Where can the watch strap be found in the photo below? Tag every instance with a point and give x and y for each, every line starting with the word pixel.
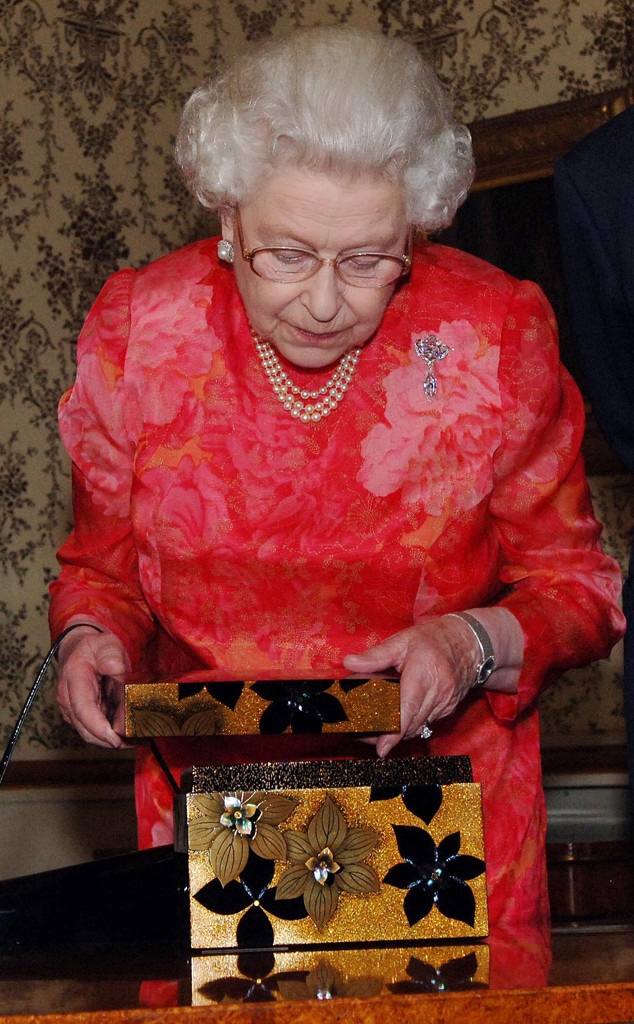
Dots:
pixel 487 655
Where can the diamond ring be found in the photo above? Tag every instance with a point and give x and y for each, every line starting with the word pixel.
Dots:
pixel 426 733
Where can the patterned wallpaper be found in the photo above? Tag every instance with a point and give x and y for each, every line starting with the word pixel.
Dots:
pixel 89 101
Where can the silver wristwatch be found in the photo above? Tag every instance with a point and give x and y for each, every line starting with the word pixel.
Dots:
pixel 487 659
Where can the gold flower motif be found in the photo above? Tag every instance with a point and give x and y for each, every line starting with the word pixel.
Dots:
pixel 229 825
pixel 149 722
pixel 326 860
pixel 323 865
pixel 325 982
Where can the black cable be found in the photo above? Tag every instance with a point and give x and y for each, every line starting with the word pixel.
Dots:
pixel 4 764
pixel 163 765
pixel 17 729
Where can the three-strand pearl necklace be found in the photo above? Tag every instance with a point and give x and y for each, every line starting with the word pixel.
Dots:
pixel 302 404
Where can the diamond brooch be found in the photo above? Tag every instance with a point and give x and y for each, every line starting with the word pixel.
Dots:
pixel 432 350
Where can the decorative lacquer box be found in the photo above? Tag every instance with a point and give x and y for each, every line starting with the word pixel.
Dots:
pixel 309 974
pixel 199 705
pixel 343 851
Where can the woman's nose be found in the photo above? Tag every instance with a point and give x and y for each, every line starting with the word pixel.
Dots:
pixel 322 294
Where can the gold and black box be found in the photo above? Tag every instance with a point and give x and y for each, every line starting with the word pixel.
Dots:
pixel 315 853
pixel 200 705
pixel 324 974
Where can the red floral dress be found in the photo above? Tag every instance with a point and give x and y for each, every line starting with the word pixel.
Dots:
pixel 212 529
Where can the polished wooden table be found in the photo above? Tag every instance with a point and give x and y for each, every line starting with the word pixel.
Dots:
pixel 97 945
pixel 591 982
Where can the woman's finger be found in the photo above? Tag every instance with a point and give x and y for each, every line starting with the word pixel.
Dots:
pixel 88 698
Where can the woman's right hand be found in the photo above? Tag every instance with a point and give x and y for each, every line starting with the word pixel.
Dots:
pixel 90 699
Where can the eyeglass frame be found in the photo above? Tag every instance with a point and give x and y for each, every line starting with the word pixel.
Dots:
pixel 324 261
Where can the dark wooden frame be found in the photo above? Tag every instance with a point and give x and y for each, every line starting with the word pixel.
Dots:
pixel 525 145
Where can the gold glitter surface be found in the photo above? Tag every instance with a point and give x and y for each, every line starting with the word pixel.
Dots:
pixel 389 771
pixel 337 973
pixel 153 709
pixel 367 917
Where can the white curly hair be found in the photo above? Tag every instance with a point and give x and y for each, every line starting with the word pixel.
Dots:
pixel 338 100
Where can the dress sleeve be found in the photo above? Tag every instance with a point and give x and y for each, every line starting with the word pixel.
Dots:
pixel 99 574
pixel 560 586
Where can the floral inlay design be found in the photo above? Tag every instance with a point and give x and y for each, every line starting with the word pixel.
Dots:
pixel 326 860
pixel 299 704
pixel 253 898
pixel 232 824
pixel 225 693
pixel 250 984
pixel 325 982
pixel 434 875
pixel 240 815
pixel 256 981
pixel 423 801
pixel 452 976
pixel 149 722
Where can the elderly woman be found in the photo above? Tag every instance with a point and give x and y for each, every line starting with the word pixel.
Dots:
pixel 310 447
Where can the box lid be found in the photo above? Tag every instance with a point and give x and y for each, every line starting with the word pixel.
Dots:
pixel 383 772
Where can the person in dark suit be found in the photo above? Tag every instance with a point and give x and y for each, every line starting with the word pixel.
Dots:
pixel 594 189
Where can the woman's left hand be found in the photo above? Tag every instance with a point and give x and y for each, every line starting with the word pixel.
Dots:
pixel 437 663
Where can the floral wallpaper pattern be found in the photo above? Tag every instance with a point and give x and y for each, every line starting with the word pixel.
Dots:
pixel 90 96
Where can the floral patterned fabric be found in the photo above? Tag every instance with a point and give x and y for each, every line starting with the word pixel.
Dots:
pixel 214 530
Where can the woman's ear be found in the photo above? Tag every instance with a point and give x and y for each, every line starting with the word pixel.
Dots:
pixel 228 223
pixel 225 245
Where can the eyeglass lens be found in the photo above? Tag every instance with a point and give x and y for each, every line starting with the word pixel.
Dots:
pixel 361 269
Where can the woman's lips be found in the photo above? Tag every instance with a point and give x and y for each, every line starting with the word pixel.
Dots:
pixel 318 335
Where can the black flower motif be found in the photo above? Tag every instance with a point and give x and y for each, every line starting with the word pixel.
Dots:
pixel 225 693
pixel 251 893
pixel 452 976
pixel 252 987
pixel 299 704
pixel 350 683
pixel 423 801
pixel 434 875
pixel 254 982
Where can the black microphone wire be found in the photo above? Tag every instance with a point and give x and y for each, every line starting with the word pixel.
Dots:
pixel 17 729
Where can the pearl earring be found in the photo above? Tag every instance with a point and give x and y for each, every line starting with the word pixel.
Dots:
pixel 225 251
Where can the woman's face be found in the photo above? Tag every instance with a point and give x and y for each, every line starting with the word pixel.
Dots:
pixel 314 322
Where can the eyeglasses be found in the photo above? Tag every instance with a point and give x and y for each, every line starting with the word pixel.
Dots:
pixel 288 265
